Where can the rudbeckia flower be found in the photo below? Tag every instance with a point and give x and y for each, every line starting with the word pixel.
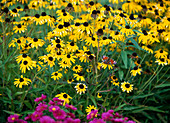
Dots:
pixel 35 42
pixel 160 54
pixel 126 86
pixel 77 68
pixel 22 81
pixel 27 64
pixel 49 58
pixel 80 88
pixel 135 71
pixel 79 76
pixel 99 95
pixel 90 108
pixel 65 97
pixel 56 75
pixel 161 61
pixel 14 13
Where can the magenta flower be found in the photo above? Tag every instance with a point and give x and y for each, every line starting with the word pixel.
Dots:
pixel 119 120
pixel 70 120
pixel 28 117
pixel 46 119
pixel 21 121
pixel 110 111
pixel 130 121
pixel 54 108
pixel 95 120
pixel 70 107
pixel 40 98
pixel 106 116
pixel 58 100
pixel 59 115
pixel 92 114
pixel 13 118
pixel 41 107
pixel 71 115
pixel 36 116
pixel 51 102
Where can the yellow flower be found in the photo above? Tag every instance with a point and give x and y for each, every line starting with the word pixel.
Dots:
pixel 162 61
pixel 79 76
pixel 135 71
pixel 99 95
pixel 19 28
pixel 56 75
pixel 80 88
pixel 90 108
pixel 22 81
pixel 27 64
pixel 126 86
pixel 77 68
pixel 65 97
pixel 160 54
pixel 70 81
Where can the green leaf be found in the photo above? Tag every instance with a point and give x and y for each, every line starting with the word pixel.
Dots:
pixel 143 96
pixel 8 93
pixel 28 104
pixel 135 43
pixel 154 109
pixel 93 100
pixel 80 112
pixel 162 85
pixel 28 112
pixel 129 108
pixel 119 108
pixel 124 58
pixel 9 112
pixel 121 74
pixel 18 93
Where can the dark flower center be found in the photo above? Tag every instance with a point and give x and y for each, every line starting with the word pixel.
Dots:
pixel 7 20
pixel 63 10
pixel 64 14
pixel 91 3
pixel 100 31
pixel 162 59
pixel 127 27
pixel 18 7
pixel 43 14
pixel 72 43
pixel 68 56
pixel 93 38
pixel 57 40
pixel 24 55
pixel 114 77
pixel 85 24
pixel 81 86
pixel 14 10
pixel 76 67
pixel 80 74
pixel 65 95
pixel 110 37
pixel 100 94
pixel 127 85
pixel 35 39
pixel 117 33
pixel 56 74
pixel 148 46
pixel 58 53
pixel 37 15
pixel 134 54
pixel 70 80
pixel 66 24
pixel 21 79
pixel 50 58
pixel 60 26
pixel 135 68
pixel 58 46
pixel 69 5
pixel 161 51
pixel 19 25
pixel 94 12
pixel 19 41
pixel 25 62
pixel 104 38
pixel 91 57
pixel 77 24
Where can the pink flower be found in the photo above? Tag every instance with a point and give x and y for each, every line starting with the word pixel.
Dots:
pixel 110 111
pixel 51 102
pixel 59 115
pixel 40 98
pixel 54 108
pixel 106 116
pixel 46 119
pixel 70 107
pixel 36 116
pixel 21 121
pixel 41 107
pixel 130 121
pixel 58 100
pixel 28 117
pixel 97 121
pixel 70 120
pixel 71 115
pixel 92 114
pixel 13 118
pixel 118 120
pixel 60 103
